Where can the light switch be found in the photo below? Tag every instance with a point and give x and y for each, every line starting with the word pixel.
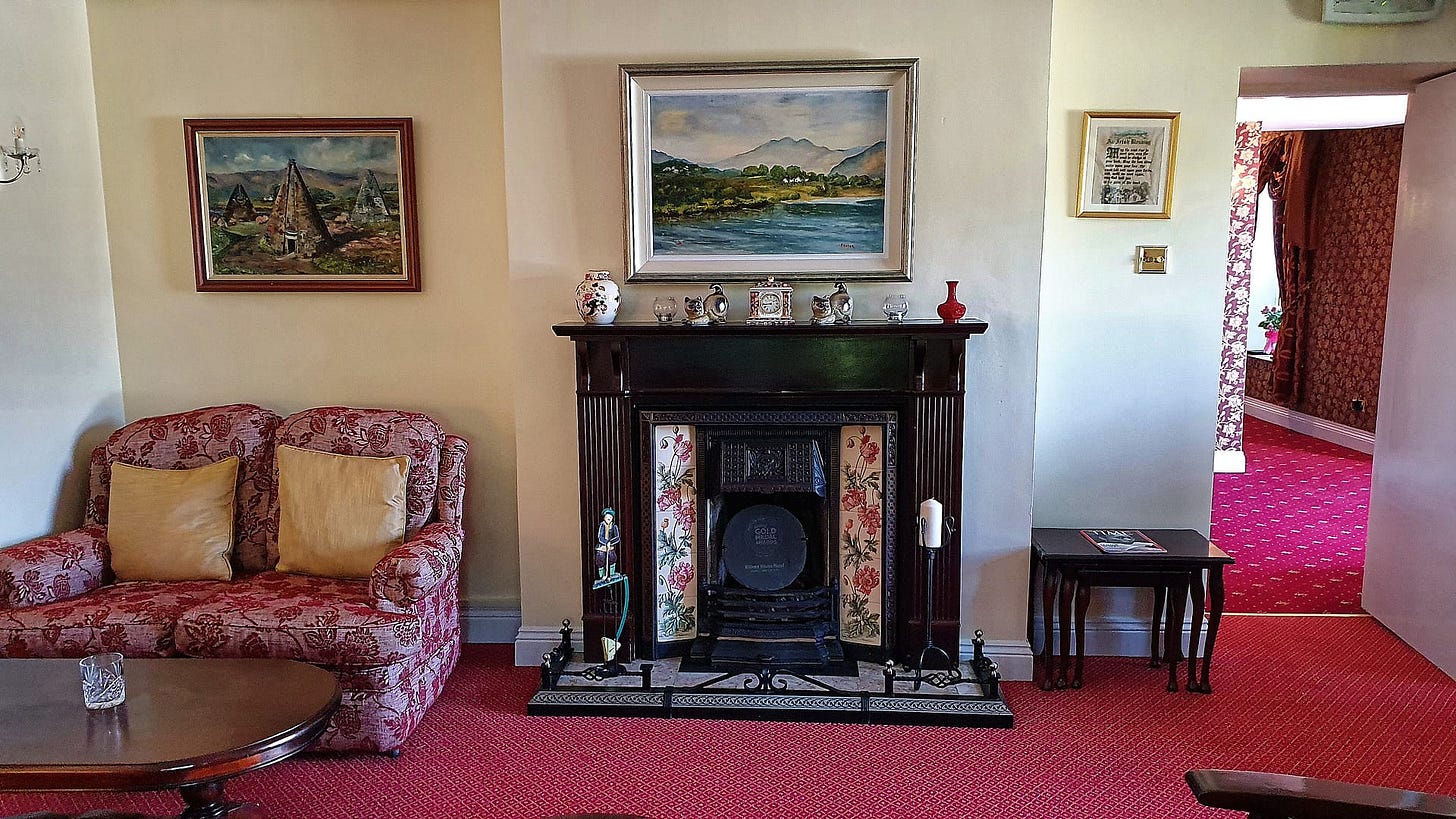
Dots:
pixel 1151 259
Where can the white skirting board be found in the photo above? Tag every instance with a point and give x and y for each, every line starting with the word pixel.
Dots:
pixel 486 624
pixel 534 641
pixel 1349 437
pixel 1013 657
pixel 1229 462
pixel 1121 636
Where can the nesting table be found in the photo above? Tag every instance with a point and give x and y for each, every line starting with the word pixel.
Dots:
pixel 1069 567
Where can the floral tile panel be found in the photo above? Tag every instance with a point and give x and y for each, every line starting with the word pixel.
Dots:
pixel 675 530
pixel 861 534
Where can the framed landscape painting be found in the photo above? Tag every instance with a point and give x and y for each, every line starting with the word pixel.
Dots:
pixel 1127 164
pixel 303 204
pixel 738 171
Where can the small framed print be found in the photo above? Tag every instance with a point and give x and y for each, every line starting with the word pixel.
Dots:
pixel 1127 164
pixel 303 204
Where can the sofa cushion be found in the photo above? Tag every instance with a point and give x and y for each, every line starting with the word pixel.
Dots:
pixel 135 619
pixel 377 432
pixel 197 438
pixel 338 515
pixel 172 524
pixel 298 617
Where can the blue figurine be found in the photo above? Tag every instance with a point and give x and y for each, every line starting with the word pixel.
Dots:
pixel 609 541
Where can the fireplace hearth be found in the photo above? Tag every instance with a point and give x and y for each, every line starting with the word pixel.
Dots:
pixel 766 481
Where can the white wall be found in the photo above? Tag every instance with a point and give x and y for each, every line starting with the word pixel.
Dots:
pixel 978 211
pixel 1128 365
pixel 60 385
pixel 1263 280
pixel 1409 581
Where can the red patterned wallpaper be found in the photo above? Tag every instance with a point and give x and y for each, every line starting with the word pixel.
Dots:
pixel 1359 172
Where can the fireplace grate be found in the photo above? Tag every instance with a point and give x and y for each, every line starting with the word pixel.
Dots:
pixel 794 629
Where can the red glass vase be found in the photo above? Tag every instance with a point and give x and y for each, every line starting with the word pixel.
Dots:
pixel 950 310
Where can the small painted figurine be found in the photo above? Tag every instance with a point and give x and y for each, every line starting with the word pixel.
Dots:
pixel 821 314
pixel 841 304
pixel 715 305
pixel 609 540
pixel 693 314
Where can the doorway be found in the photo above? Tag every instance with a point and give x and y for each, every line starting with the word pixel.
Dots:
pixel 1311 232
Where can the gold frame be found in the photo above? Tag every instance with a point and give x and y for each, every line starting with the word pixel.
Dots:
pixel 1167 212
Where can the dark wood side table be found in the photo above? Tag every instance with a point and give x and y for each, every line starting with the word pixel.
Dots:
pixel 1071 566
pixel 186 724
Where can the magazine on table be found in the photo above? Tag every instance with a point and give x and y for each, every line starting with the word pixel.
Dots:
pixel 1121 541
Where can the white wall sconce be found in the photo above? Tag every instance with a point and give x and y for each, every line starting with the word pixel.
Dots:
pixel 17 159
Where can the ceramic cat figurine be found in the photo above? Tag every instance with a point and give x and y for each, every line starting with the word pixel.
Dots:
pixel 821 314
pixel 715 305
pixel 693 314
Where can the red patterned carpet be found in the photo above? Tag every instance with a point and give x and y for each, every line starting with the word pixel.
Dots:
pixel 1287 699
pixel 1295 521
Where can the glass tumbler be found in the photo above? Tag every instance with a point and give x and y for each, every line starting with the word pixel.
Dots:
pixel 664 307
pixel 103 684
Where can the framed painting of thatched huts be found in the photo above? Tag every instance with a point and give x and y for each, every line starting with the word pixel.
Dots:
pixel 303 204
pixel 737 171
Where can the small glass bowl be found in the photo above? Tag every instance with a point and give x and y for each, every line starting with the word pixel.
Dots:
pixel 896 306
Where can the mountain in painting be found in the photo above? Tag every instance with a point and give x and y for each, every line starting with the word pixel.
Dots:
pixel 787 151
pixel 260 184
pixel 868 162
pixel 658 157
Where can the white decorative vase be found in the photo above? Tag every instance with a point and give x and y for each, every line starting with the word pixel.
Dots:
pixel 598 298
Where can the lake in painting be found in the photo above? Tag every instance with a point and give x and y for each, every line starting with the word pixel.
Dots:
pixel 768 172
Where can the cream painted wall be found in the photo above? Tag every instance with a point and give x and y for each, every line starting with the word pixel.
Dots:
pixel 445 351
pixel 978 212
pixel 1128 364
pixel 60 383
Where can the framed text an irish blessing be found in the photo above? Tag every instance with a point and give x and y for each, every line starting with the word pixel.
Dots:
pixel 1127 164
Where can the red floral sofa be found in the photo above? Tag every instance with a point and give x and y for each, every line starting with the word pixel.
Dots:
pixel 391 639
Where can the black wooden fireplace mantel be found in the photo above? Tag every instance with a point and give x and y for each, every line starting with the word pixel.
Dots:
pixel 915 369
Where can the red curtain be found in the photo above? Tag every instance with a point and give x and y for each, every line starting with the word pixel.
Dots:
pixel 1287 169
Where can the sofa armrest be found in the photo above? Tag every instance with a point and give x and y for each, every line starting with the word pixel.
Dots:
pixel 53 568
pixel 416 569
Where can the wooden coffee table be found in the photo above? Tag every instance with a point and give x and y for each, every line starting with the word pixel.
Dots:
pixel 186 724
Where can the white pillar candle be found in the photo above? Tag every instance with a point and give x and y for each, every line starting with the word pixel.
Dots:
pixel 932 516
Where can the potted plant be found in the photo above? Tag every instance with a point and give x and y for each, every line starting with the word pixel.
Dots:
pixel 1273 317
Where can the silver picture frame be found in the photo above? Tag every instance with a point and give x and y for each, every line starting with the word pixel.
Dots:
pixel 845 215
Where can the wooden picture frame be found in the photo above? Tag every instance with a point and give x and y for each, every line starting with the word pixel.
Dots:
pixel 740 171
pixel 1128 158
pixel 303 205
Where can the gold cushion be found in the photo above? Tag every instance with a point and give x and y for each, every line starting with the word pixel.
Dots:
pixel 172 524
pixel 338 514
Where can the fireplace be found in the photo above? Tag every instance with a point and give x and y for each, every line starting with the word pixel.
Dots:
pixel 765 482
pixel 789 523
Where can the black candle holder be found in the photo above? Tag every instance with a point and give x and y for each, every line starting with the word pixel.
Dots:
pixel 931 649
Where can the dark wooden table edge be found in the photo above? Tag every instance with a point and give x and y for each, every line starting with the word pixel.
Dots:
pixel 173 774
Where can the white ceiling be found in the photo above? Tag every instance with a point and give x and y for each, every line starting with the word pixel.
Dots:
pixel 1321 113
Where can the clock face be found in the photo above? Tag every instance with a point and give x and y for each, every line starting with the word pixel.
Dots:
pixel 769 304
